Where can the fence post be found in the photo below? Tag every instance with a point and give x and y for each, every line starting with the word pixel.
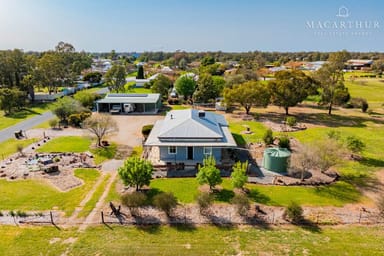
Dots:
pixel 102 217
pixel 51 215
pixel 359 215
pixel 273 218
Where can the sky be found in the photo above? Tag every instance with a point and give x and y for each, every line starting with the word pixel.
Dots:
pixel 198 25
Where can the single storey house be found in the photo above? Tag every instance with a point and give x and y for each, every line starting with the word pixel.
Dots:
pixel 188 136
pixel 124 103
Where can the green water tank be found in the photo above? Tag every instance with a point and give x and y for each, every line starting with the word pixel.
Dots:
pixel 276 159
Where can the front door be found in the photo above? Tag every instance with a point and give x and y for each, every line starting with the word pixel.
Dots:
pixel 189 153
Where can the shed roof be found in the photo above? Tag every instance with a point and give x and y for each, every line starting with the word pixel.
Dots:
pixel 130 98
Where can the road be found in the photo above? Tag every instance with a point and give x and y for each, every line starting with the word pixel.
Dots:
pixel 25 125
pixel 29 123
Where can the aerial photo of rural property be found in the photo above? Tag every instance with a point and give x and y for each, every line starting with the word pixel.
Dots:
pixel 216 127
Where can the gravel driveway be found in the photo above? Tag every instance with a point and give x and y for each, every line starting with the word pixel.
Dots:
pixel 130 128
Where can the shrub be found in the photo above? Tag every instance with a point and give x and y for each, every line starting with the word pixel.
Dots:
pixel 294 212
pixel 268 137
pixel 204 200
pixel 21 214
pixel 242 204
pixel 53 122
pixel 364 106
pixel 133 201
pixel 75 120
pixel 19 148
pixel 284 142
pixel 354 144
pixel 334 135
pixel 165 202
pixel 12 213
pixel 290 121
pixel 359 103
pixel 146 130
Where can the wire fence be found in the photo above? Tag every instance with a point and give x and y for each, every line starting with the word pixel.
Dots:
pixel 187 215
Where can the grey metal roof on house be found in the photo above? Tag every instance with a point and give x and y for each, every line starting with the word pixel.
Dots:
pixel 186 127
pixel 130 98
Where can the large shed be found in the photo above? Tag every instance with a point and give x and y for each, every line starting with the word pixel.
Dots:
pixel 124 103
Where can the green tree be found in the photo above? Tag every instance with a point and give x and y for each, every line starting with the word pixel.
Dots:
pixel 290 88
pixel 378 66
pixel 239 174
pixel 208 173
pixel 140 72
pixel 51 71
pixel 185 86
pixel 65 107
pixel 136 172
pixel 161 84
pixel 219 83
pixel 115 78
pixel 11 99
pixel 93 77
pixel 86 98
pixel 100 125
pixel 248 94
pixel 331 79
pixel 206 89
pixel 207 60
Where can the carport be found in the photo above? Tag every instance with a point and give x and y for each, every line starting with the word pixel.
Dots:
pixel 142 103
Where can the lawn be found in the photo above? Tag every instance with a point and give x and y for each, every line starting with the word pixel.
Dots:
pixel 371 89
pixel 238 126
pixel 38 195
pixel 88 207
pixel 180 240
pixel 66 144
pixel 338 194
pixel 104 153
pixel 37 109
pixel 9 146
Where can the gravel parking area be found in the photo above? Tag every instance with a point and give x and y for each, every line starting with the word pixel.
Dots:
pixel 130 128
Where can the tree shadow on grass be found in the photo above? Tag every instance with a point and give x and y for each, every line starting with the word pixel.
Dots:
pixel 258 197
pixel 362 180
pixel 24 113
pixel 310 226
pixel 149 228
pixel 372 162
pixel 341 191
pixel 224 195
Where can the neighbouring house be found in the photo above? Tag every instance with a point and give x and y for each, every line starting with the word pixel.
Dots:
pixel 124 103
pixel 359 64
pixel 186 137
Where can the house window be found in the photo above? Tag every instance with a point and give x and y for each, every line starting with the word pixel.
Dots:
pixel 207 151
pixel 172 150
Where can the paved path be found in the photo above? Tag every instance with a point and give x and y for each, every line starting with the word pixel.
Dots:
pixel 25 125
